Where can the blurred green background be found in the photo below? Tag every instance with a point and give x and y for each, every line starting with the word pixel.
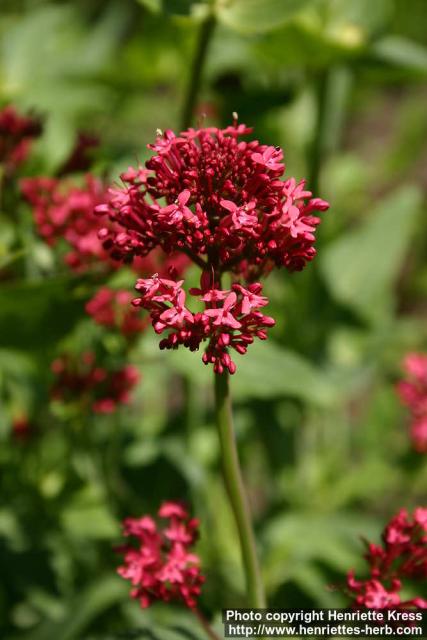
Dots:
pixel 342 86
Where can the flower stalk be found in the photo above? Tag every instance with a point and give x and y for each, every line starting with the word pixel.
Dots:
pixel 317 147
pixel 236 491
pixel 205 624
pixel 204 38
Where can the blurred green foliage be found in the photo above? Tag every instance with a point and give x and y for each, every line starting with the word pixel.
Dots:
pixel 341 85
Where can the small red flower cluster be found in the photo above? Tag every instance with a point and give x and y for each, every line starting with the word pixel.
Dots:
pixel 224 202
pixel 413 393
pixel 83 380
pixel 81 156
pixel 22 429
pixel 112 308
pixel 16 135
pixel 64 211
pixel 402 556
pixel 161 566
pixel 231 318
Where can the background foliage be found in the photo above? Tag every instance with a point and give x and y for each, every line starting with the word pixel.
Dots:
pixel 341 85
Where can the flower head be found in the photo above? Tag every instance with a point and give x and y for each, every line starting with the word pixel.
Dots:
pixel 413 393
pixel 402 556
pixel 217 198
pixel 160 564
pixel 83 380
pixel 222 202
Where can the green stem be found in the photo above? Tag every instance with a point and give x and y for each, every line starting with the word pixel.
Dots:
pixel 317 147
pixel 205 624
pixel 193 88
pixel 332 87
pixel 236 490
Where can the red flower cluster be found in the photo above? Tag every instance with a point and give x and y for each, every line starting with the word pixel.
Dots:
pixel 216 198
pixel 220 201
pixel 112 308
pixel 160 566
pixel 64 211
pixel 85 381
pixel 413 393
pixel 16 135
pixel 231 318
pixel 402 556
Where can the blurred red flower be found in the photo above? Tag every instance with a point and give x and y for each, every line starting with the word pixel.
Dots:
pixel 83 380
pixel 413 393
pixel 17 133
pixel 63 211
pixel 112 308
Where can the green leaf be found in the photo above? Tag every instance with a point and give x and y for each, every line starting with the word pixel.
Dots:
pixel 88 516
pixel 36 314
pixel 54 74
pixel 402 53
pixel 173 7
pixel 369 16
pixel 324 32
pixel 152 5
pixel 361 267
pixel 266 371
pixel 304 42
pixel 258 16
pixel 90 522
pixel 179 7
pixel 10 528
pixel 162 623
pixel 106 591
pixel 296 541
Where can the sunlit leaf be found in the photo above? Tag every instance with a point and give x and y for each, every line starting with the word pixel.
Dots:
pixel 361 267
pixel 152 5
pixel 268 370
pixel 401 53
pixel 366 15
pixel 257 16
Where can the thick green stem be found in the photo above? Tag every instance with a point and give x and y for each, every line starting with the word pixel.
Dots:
pixel 194 81
pixel 236 490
